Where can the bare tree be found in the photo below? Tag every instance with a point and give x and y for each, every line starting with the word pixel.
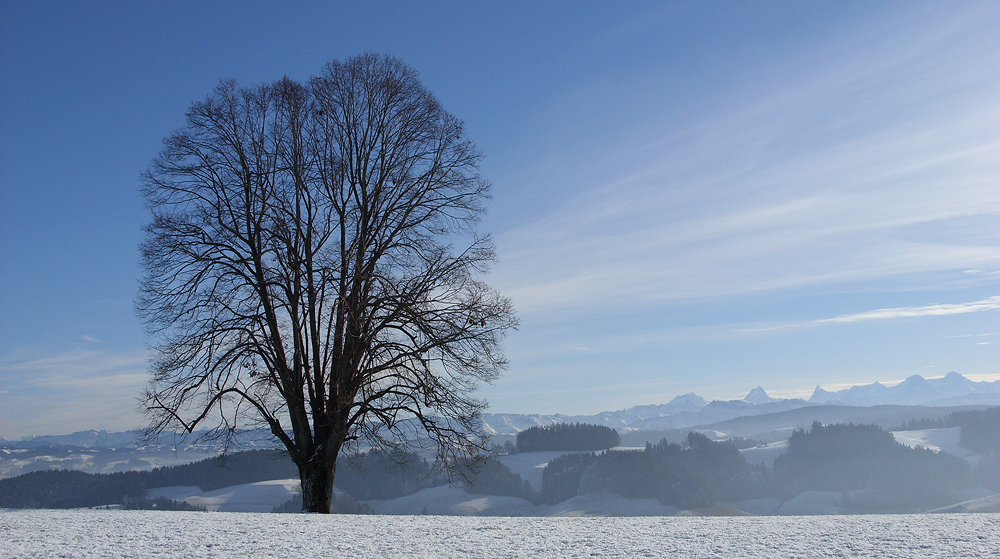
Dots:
pixel 301 272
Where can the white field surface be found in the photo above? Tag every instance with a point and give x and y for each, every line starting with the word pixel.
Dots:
pixel 87 534
pixel 938 440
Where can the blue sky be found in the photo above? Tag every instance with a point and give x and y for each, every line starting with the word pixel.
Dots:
pixel 688 196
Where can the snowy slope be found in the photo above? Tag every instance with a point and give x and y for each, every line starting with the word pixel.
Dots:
pixel 983 504
pixel 262 496
pixel 530 465
pixel 17 461
pixel 938 440
pixel 765 454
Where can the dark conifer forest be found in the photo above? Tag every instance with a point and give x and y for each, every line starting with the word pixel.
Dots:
pixel 568 437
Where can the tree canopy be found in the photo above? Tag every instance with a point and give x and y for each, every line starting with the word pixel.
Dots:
pixel 312 265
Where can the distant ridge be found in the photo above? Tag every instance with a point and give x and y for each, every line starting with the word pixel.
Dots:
pixel 683 411
pixel 951 389
pixel 94 439
pixel 689 410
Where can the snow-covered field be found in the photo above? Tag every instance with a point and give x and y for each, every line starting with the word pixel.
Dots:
pixel 98 533
pixel 938 440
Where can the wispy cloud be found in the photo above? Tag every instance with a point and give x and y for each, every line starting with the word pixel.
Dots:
pixel 988 304
pixel 76 389
pixel 973 335
pixel 879 166
pixel 983 378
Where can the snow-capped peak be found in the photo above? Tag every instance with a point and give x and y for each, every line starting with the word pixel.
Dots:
pixel 758 396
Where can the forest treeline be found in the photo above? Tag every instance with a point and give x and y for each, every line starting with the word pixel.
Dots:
pixel 873 472
pixel 694 474
pixel 865 463
pixel 568 437
pixel 363 476
pixel 72 489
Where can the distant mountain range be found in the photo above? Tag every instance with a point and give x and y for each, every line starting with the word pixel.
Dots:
pixel 689 410
pixel 167 442
pixel 951 389
pixel 684 411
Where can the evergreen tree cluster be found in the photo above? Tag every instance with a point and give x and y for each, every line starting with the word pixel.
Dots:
pixel 561 477
pixel 567 437
pixel 696 474
pixel 59 489
pixel 363 476
pixel 743 442
pixel 370 475
pixel 223 471
pixel 888 476
pixel 864 462
pixel 981 432
pixel 159 503
pixel 866 457
pixel 494 478
pixel 72 489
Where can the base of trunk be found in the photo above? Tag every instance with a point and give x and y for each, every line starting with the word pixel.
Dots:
pixel 317 487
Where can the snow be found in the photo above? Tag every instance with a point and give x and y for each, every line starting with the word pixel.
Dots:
pixel 262 496
pixel 758 396
pixel 765 454
pixel 812 502
pixel 990 503
pixel 938 440
pixel 88 534
pixel 17 461
pixel 608 505
pixel 766 506
pixel 175 493
pixel 451 500
pixel 530 465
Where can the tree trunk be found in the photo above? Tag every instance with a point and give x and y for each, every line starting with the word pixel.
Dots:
pixel 317 484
